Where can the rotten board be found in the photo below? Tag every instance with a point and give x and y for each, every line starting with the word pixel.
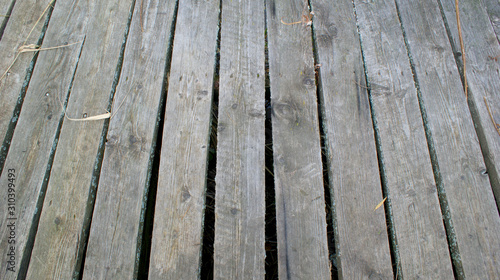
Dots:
pixel 471 204
pixel 239 251
pixel 124 180
pixel 180 198
pixel 483 70
pixel 418 228
pixel 61 236
pixel 298 170
pixel 362 244
pixel 18 32
pixel 33 141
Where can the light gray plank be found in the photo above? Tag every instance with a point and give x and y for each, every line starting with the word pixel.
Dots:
pixel 177 232
pixel 470 199
pixel 20 23
pixel 5 6
pixel 361 236
pixel 481 46
pixel 300 201
pixel 493 9
pixel 56 251
pixel 111 251
pixel 239 251
pixel 33 139
pixel 418 226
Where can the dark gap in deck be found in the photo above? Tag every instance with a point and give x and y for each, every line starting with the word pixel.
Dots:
pixel 271 240
pixel 20 100
pixel 481 135
pixel 146 220
pixel 6 18
pixel 443 201
pixel 94 183
pixel 30 240
pixel 331 225
pixel 393 244
pixel 208 228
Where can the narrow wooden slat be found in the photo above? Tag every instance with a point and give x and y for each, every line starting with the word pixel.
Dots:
pixel 20 23
pixel 5 6
pixel 32 142
pixel 493 9
pixel 58 241
pixel 300 201
pixel 362 241
pixel 176 244
pixel 482 52
pixel 418 226
pixel 111 251
pixel 470 199
pixel 239 251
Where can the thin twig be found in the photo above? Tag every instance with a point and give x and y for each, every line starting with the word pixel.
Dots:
pixel 495 124
pixel 462 47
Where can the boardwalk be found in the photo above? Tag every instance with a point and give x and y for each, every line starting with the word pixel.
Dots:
pixel 232 139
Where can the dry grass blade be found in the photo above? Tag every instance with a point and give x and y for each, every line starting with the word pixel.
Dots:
pixel 92 118
pixel 380 204
pixel 462 47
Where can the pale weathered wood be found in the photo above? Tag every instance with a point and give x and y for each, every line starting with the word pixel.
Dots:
pixel 33 139
pixel 56 251
pixel 5 6
pixel 111 251
pixel 300 200
pixel 21 21
pixel 239 251
pixel 482 65
pixel 177 231
pixel 493 9
pixel 361 233
pixel 412 194
pixel 471 204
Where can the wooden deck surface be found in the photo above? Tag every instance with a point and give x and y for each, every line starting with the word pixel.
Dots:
pixel 233 139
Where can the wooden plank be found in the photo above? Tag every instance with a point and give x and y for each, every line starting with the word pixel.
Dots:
pixel 20 23
pixel 177 233
pixel 239 251
pixel 300 201
pixel 361 236
pixel 5 9
pixel 493 9
pixel 113 241
pixel 412 194
pixel 56 252
pixel 481 49
pixel 470 199
pixel 33 140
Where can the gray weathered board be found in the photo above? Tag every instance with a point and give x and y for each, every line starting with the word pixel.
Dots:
pixel 239 251
pixel 298 170
pixel 362 245
pixel 418 230
pixel 481 52
pixel 180 200
pixel 5 6
pixel 475 224
pixel 493 9
pixel 33 140
pixel 115 235
pixel 58 247
pixel 21 23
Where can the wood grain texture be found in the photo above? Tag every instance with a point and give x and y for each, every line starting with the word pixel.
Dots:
pixel 177 233
pixel 412 193
pixel 493 10
pixel 111 251
pixel 362 244
pixel 483 71
pixel 20 23
pixel 56 249
pixel 33 140
pixel 467 189
pixel 239 251
pixel 300 201
pixel 5 6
